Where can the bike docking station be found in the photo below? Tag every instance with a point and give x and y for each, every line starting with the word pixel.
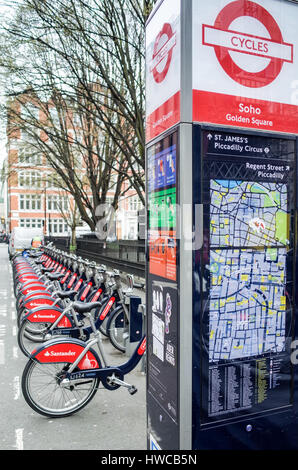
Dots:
pixel 221 243
pixel 134 331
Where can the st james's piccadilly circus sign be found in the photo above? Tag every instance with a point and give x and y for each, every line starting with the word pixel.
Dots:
pixel 245 64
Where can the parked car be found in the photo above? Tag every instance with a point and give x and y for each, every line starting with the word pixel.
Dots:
pixel 4 237
pixel 21 238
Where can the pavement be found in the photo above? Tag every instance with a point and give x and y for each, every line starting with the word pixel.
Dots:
pixel 111 421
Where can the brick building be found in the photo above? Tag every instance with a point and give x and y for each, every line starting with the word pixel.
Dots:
pixel 32 198
pixel 32 201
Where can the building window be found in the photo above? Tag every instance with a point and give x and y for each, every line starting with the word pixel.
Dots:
pixel 134 204
pixel 57 226
pixel 54 116
pixel 29 112
pixel 30 202
pixel 30 179
pixel 52 180
pixel 57 203
pixel 28 156
pixel 31 223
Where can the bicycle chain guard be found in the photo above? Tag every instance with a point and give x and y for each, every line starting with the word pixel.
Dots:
pixel 106 375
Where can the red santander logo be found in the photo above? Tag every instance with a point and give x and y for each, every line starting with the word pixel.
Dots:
pixel 225 40
pixel 162 53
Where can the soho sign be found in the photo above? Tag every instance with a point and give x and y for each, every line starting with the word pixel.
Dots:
pixel 224 40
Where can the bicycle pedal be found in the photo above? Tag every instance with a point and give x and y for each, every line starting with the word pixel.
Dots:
pixel 132 390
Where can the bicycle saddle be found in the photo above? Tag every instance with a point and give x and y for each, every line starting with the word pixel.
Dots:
pixel 46 270
pixel 82 307
pixel 55 277
pixel 66 294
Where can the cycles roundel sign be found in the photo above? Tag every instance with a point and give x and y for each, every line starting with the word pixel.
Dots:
pixel 162 53
pixel 226 41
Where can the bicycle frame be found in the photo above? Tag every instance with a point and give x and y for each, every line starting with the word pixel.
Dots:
pixel 54 315
pixel 62 324
pixel 85 362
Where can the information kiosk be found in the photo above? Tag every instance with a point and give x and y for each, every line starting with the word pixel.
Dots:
pixel 221 160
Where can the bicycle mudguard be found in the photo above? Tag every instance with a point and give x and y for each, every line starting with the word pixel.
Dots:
pixel 22 299
pixel 36 295
pixel 28 278
pixel 27 281
pixel 66 350
pixel 32 288
pixel 38 301
pixel 24 269
pixel 49 315
pixel 25 274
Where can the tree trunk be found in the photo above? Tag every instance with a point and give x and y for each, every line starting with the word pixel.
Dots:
pixel 73 243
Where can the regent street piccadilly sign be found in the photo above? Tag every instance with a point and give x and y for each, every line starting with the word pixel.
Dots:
pixel 245 63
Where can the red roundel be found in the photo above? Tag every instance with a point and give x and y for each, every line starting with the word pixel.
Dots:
pixel 161 53
pixel 223 21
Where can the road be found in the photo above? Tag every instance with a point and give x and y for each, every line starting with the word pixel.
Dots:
pixel 111 421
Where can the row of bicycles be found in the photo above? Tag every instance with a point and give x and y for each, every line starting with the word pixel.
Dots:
pixel 65 306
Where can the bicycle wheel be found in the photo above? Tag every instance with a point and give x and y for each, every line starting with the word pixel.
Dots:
pixel 32 328
pixel 44 393
pixel 29 340
pixel 21 315
pixel 117 325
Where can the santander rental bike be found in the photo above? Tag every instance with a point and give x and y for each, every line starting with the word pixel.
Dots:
pixel 62 376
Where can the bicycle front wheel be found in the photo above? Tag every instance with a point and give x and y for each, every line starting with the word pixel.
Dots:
pixel 117 326
pixel 44 392
pixel 29 340
pixel 31 335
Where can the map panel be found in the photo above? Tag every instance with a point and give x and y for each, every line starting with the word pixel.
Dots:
pixel 247 214
pixel 247 305
pixel 247 308
pixel 247 267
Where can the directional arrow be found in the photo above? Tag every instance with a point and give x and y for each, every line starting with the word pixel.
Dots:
pixel 209 136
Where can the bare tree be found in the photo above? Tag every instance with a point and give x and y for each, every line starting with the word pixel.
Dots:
pixel 70 215
pixel 80 157
pixel 96 42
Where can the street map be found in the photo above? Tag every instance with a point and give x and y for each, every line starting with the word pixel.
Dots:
pixel 245 214
pixel 249 239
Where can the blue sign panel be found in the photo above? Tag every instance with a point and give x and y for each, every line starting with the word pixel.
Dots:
pixel 161 168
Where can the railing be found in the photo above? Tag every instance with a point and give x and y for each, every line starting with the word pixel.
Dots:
pixel 62 243
pixel 125 255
